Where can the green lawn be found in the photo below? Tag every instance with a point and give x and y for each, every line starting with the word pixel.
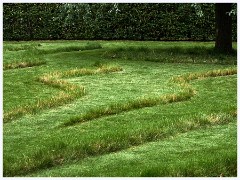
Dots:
pixel 119 108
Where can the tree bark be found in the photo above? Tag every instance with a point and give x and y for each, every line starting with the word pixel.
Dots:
pixel 223 41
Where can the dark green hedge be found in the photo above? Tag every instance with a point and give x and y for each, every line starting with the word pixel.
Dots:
pixel 141 21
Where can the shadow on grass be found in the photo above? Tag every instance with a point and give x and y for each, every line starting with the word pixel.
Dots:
pixel 35 47
pixel 174 54
pixel 87 46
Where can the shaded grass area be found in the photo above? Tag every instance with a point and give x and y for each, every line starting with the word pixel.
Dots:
pixel 20 46
pixel 71 48
pixel 190 154
pixel 38 47
pixel 173 54
pixel 34 143
pixel 28 55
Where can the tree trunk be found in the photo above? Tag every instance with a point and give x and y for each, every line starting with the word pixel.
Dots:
pixel 223 41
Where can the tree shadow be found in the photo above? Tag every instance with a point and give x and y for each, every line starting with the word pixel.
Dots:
pixel 174 54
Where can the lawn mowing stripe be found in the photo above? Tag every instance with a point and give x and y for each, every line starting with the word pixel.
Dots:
pixel 185 94
pixel 69 91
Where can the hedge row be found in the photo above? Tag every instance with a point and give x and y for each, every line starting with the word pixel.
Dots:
pixel 110 21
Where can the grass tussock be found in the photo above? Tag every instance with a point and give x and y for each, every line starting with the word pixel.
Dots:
pixel 58 83
pixel 81 72
pixel 22 64
pixel 214 73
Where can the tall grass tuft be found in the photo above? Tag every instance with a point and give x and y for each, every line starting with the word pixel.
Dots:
pixel 214 73
pixel 22 64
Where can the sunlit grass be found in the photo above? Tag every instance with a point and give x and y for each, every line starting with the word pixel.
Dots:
pixel 72 91
pixel 58 153
pixel 213 73
pixel 191 154
pixel 144 107
pixel 185 94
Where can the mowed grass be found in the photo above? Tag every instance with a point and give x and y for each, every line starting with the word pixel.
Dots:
pixel 194 154
pixel 36 144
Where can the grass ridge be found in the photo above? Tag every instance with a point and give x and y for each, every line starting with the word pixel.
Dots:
pixel 69 91
pixel 213 73
pixel 44 160
pixel 191 54
pixel 22 64
pixel 185 94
